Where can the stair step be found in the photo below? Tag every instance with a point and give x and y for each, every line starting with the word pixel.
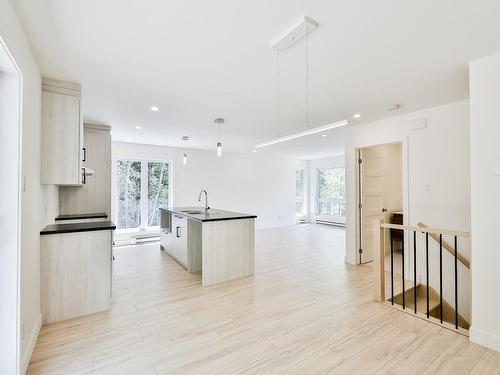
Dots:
pixel 434 303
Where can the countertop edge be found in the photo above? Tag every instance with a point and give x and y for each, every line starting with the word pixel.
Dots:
pixel 191 217
pixel 77 227
pixel 98 215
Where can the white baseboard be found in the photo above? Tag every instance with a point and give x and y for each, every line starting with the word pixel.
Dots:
pixel 31 345
pixel 485 339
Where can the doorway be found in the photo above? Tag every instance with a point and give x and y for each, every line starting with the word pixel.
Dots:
pixel 380 191
pixel 10 130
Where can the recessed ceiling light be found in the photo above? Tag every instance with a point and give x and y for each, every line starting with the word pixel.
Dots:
pixel 155 108
pixel 254 150
pixel 138 127
pixel 356 115
pixel 323 135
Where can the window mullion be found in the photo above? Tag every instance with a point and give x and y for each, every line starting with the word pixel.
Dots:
pixel 144 194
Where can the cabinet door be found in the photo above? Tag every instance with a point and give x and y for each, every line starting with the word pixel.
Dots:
pixel 62 135
pixel 179 238
pixel 182 247
pixel 95 195
pixel 166 241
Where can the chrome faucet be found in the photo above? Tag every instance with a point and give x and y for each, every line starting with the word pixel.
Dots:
pixel 206 199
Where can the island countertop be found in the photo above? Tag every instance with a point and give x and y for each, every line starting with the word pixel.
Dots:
pixel 199 214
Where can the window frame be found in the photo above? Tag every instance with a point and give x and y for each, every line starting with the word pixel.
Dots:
pixel 318 199
pixel 144 204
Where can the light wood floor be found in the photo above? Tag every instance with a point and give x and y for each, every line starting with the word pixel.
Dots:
pixel 304 312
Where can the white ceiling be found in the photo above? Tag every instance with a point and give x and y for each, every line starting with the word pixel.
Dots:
pixel 197 60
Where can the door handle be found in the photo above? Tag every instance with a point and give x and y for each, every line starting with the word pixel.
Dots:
pixel 84 177
pixel 177 232
pixel 384 209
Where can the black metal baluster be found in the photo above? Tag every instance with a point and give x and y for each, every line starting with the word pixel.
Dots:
pixel 415 270
pixel 392 270
pixel 441 277
pixel 456 284
pixel 403 266
pixel 427 269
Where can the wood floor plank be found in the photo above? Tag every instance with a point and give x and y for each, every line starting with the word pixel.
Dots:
pixel 303 312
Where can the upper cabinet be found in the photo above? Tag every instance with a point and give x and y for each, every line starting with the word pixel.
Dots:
pixel 62 133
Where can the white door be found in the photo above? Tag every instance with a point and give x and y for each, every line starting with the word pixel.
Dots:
pixel 372 186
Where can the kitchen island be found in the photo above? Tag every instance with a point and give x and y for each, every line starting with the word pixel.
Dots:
pixel 220 244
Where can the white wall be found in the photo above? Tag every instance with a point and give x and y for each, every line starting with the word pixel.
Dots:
pixel 39 204
pixel 436 175
pixel 253 183
pixel 311 191
pixel 485 199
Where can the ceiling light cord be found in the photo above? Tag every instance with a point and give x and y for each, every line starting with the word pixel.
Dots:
pixel 278 91
pixel 218 131
pixel 307 77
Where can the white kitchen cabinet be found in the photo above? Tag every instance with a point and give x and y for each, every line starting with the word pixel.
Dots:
pixel 179 239
pixel 76 273
pixel 95 195
pixel 166 241
pixel 62 133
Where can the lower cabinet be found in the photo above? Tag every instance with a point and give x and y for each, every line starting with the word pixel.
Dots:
pixel 179 239
pixel 75 274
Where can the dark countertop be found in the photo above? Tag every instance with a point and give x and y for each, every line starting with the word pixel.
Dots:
pixel 211 215
pixel 99 215
pixel 78 227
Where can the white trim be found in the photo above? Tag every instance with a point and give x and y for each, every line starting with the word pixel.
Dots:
pixel 31 345
pixel 17 323
pixel 484 338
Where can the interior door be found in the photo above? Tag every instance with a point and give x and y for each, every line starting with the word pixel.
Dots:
pixel 371 186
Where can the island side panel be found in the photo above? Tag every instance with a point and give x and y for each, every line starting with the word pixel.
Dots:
pixel 75 274
pixel 194 246
pixel 228 250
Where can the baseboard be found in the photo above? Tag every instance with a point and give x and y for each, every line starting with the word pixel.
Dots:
pixel 31 345
pixel 485 339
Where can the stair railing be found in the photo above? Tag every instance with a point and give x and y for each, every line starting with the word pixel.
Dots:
pixel 379 265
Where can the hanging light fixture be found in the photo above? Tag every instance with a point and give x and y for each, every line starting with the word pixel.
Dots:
pixel 218 121
pixel 184 159
pixel 300 31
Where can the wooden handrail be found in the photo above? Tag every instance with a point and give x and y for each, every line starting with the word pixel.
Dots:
pixel 447 246
pixel 444 232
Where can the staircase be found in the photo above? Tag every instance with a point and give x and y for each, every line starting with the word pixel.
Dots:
pixel 434 305
pixel 406 277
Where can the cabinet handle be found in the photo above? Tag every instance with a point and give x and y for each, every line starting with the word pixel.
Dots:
pixel 84 177
pixel 177 232
pixel 84 153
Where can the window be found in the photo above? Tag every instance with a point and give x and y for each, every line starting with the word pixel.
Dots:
pixel 299 191
pixel 331 192
pixel 142 186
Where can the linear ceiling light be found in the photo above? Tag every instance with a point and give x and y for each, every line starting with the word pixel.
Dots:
pixel 304 133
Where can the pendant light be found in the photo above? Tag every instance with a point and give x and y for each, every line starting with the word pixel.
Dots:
pixel 218 121
pixel 184 157
pixel 302 30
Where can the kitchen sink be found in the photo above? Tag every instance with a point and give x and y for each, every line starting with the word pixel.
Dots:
pixel 193 212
